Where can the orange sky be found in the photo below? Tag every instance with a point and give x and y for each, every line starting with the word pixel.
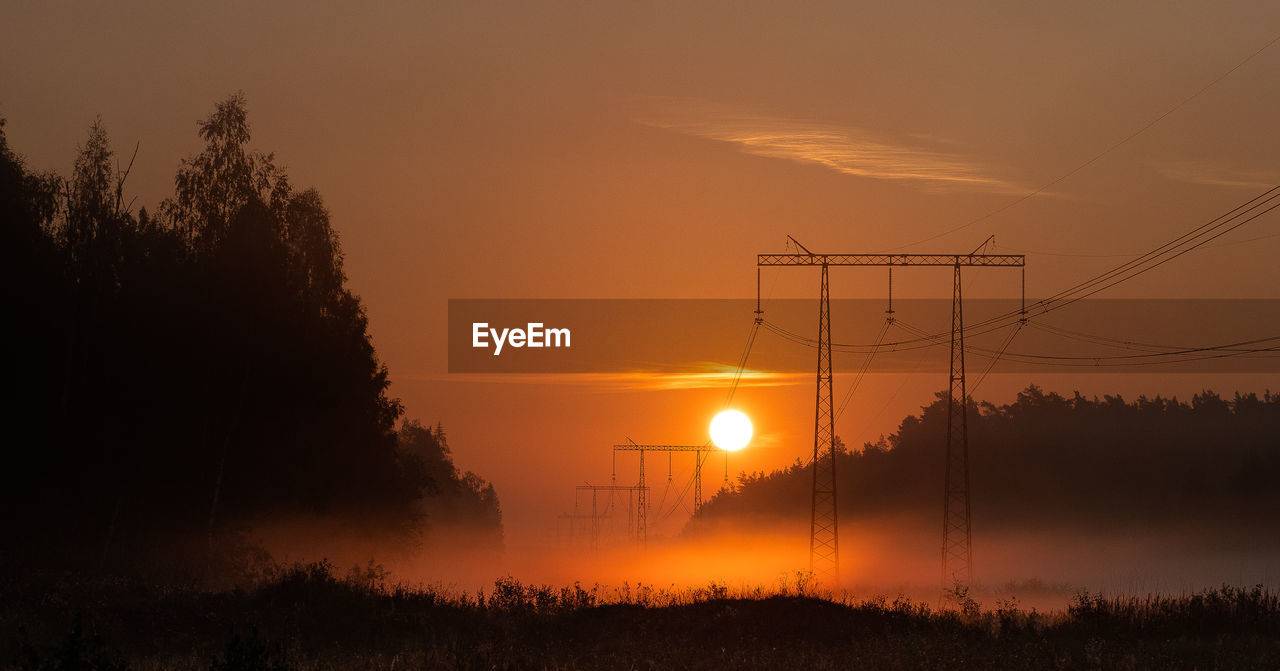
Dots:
pixel 652 149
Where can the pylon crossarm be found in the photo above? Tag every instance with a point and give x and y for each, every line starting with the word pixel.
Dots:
pixel 1004 260
pixel 632 447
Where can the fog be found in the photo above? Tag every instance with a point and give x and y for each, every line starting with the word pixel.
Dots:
pixel 888 556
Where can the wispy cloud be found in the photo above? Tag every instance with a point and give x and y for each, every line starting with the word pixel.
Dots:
pixel 704 376
pixel 712 376
pixel 1209 174
pixel 845 149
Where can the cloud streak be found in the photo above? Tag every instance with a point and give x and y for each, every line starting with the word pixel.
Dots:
pixel 707 376
pixel 844 149
pixel 1207 174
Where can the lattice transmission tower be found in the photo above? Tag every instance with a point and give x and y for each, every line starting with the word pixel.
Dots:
pixel 824 535
pixel 642 504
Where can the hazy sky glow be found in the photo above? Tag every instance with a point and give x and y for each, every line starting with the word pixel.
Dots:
pixel 619 149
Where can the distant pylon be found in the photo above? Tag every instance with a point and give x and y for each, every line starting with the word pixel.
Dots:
pixel 642 512
pixel 957 552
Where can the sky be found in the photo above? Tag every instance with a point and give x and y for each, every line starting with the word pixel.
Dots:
pixel 651 150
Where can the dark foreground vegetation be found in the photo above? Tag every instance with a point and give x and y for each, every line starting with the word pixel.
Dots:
pixel 308 617
pixel 179 374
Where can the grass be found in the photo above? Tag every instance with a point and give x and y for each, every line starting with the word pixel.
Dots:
pixel 310 617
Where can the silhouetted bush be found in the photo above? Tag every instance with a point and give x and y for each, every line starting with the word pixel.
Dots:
pixel 309 618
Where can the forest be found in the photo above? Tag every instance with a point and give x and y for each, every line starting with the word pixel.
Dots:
pixel 182 373
pixel 1053 462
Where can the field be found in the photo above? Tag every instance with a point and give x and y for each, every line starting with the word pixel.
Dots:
pixel 314 617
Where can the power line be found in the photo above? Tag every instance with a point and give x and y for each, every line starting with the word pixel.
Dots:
pixel 1083 255
pixel 742 361
pixel 1194 239
pixel 1169 353
pixel 996 358
pixel 866 364
pixel 1117 343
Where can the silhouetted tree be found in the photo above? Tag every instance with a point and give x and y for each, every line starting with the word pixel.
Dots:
pixel 180 377
pixel 461 506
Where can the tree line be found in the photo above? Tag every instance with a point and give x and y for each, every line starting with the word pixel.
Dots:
pixel 1063 462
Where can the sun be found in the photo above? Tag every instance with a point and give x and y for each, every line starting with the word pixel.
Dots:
pixel 731 430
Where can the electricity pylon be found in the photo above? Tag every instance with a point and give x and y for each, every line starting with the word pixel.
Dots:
pixel 573 518
pixel 824 534
pixel 957 530
pixel 632 491
pixel 642 504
